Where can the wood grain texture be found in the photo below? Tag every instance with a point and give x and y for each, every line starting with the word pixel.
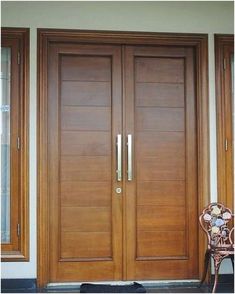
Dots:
pixel 85 245
pixel 154 218
pixel 78 93
pixel 85 219
pixel 86 118
pixel 159 94
pixel 18 40
pixel 48 37
pixel 87 193
pixel 86 68
pixel 147 240
pixel 161 70
pixel 81 152
pixel 85 143
pixel 160 119
pixel 161 193
pixel 165 153
pixel 85 168
pixel 224 49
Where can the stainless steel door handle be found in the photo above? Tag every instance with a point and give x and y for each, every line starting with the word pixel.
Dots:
pixel 119 157
pixel 129 157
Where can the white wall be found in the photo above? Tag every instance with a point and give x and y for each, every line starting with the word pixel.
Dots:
pixel 182 17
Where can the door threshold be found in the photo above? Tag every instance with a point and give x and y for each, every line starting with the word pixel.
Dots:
pixel 149 283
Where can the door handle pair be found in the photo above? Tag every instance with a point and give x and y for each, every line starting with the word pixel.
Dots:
pixel 129 158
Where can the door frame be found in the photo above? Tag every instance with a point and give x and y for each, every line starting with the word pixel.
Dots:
pixel 47 36
pixel 224 183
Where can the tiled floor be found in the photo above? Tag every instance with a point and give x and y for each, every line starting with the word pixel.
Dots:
pixel 225 288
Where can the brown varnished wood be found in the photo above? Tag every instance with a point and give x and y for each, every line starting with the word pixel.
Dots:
pixel 224 48
pixel 87 245
pixel 158 71
pixel 80 123
pixel 147 248
pixel 159 158
pixel 91 193
pixel 161 192
pixel 85 219
pixel 18 40
pixel 199 43
pixel 160 94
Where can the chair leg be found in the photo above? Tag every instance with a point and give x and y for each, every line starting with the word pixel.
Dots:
pixel 206 263
pixel 217 261
pixel 232 260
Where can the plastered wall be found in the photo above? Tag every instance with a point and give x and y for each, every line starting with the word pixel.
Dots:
pixel 153 16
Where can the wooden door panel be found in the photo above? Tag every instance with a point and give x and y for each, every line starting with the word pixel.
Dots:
pixel 84 119
pixel 86 68
pixel 87 248
pixel 157 218
pixel 159 70
pixel 159 119
pixel 86 193
pixel 161 192
pixel 90 93
pixel 85 168
pixel 159 94
pixel 82 143
pixel 146 244
pixel 162 198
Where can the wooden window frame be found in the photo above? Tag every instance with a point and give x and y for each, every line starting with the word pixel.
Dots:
pixel 19 38
pixel 46 37
pixel 224 46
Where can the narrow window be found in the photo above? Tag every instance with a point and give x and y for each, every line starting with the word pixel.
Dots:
pixel 224 54
pixel 14 144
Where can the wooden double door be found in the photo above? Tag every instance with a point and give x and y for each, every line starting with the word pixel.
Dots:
pixel 122 163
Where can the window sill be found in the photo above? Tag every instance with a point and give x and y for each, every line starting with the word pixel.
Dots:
pixel 13 256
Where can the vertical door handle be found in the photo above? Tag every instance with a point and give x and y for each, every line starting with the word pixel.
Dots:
pixel 119 157
pixel 129 157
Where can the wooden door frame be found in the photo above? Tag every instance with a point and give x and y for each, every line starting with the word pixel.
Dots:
pixel 47 36
pixel 222 42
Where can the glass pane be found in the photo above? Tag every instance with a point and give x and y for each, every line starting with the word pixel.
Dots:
pixel 5 143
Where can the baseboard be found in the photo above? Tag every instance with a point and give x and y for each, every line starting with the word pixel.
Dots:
pixel 17 284
pixel 224 278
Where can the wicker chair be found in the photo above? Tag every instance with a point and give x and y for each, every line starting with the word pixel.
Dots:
pixel 216 221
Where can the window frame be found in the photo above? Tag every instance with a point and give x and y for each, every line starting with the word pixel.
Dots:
pixel 224 47
pixel 18 40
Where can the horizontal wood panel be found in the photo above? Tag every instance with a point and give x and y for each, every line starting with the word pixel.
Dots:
pixel 160 168
pixel 85 245
pixel 85 118
pixel 160 119
pixel 86 93
pixel 161 95
pixel 85 143
pixel 163 218
pixel 162 269
pixel 96 194
pixel 86 271
pixel 161 193
pixel 86 68
pixel 161 244
pixel 86 219
pixel 161 70
pixel 168 144
pixel 85 168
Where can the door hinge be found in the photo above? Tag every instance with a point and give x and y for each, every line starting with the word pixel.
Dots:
pixel 18 143
pixel 18 58
pixel 224 63
pixel 18 230
pixel 226 144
